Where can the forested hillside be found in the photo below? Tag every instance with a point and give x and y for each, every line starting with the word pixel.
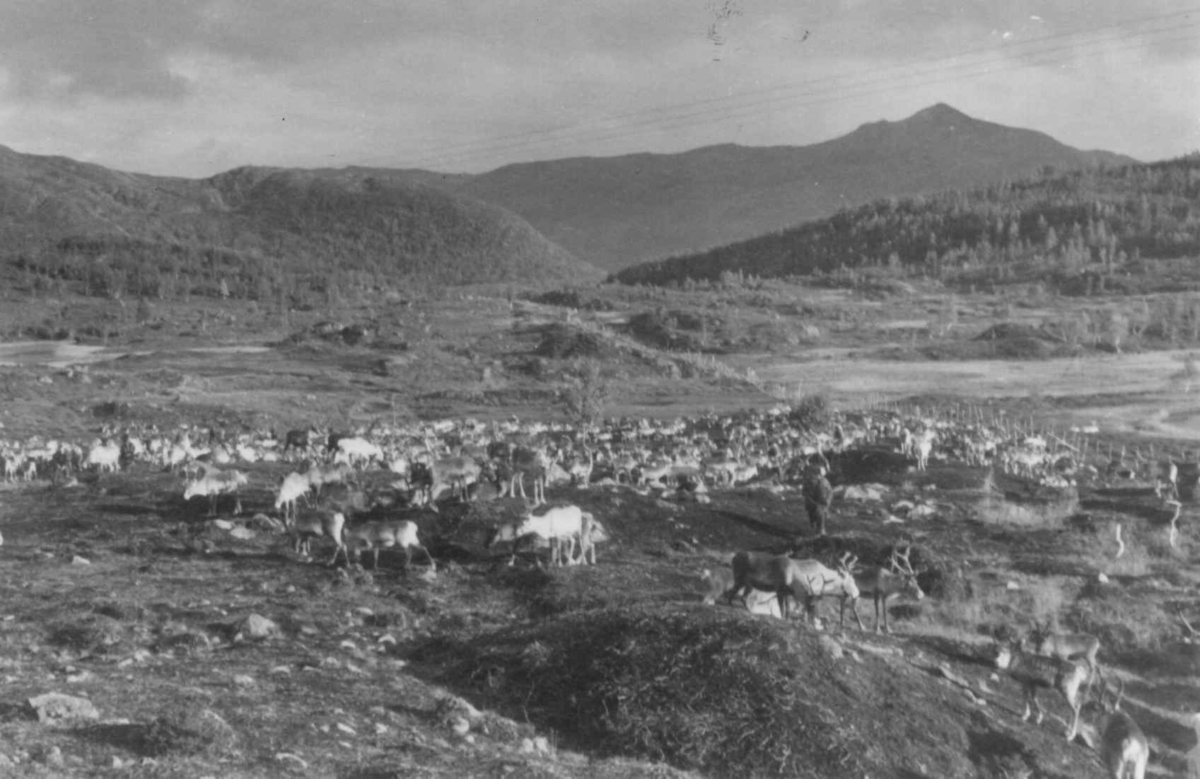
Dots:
pixel 257 233
pixel 1061 223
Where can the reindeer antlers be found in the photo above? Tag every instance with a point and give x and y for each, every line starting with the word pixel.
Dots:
pixel 900 562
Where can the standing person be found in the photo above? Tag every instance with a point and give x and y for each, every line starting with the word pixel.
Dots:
pixel 818 495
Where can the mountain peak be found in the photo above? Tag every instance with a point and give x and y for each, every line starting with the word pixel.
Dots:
pixel 938 113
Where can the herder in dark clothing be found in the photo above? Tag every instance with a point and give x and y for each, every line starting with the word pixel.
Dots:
pixel 818 495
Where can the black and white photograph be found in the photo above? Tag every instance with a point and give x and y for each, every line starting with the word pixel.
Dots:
pixel 540 389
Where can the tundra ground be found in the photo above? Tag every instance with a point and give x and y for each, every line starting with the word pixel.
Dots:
pixel 118 591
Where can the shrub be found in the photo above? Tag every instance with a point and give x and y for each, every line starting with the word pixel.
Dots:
pixel 811 412
pixel 188 728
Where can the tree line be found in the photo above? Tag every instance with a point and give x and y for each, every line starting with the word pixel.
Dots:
pixel 1058 222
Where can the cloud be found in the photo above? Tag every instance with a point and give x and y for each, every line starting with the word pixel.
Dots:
pixel 193 86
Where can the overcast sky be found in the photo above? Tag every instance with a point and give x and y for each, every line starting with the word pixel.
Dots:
pixel 194 87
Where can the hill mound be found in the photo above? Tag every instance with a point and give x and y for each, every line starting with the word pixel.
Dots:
pixel 260 231
pixel 720 691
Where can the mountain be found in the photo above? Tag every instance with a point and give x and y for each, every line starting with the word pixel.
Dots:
pixel 1066 228
pixel 320 223
pixel 620 211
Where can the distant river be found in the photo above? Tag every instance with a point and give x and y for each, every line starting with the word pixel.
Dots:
pixel 55 354
pixel 58 354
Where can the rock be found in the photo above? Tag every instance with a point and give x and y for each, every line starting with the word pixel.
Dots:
pixel 1012 586
pixel 541 745
pixel 831 648
pixel 460 725
pixel 265 523
pixel 864 492
pixel 255 628
pixel 77 560
pixel 242 533
pixel 1100 577
pixel 342 726
pixel 55 707
pixel 53 757
pixel 222 524
pixel 242 680
pixel 286 757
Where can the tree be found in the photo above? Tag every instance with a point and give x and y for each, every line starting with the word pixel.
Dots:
pixel 587 395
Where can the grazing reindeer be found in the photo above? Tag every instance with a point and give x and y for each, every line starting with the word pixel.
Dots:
pixel 1124 749
pixel 1066 646
pixel 802 580
pixel 719 583
pixel 377 535
pixel 883 584
pixel 212 483
pixel 328 524
pixel 1034 672
pixel 559 526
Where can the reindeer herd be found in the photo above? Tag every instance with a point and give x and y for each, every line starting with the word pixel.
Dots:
pixel 428 465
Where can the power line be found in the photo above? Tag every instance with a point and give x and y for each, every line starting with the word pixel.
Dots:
pixel 982 69
pixel 739 106
pixel 729 107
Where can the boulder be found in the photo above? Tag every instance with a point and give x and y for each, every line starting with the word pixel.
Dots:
pixel 54 707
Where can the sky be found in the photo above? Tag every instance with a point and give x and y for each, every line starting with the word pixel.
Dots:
pixel 195 87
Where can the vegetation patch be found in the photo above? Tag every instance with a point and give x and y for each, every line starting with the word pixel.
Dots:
pixel 687 687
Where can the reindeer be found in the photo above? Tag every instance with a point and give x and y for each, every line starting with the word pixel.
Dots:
pixel 883 584
pixel 1066 646
pixel 328 524
pixel 379 535
pixel 557 525
pixel 1124 749
pixel 804 580
pixel 1034 672
pixel 212 483
pixel 293 487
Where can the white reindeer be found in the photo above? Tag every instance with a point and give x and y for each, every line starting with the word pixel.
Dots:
pixel 104 457
pixel 558 525
pixel 213 483
pixel 293 487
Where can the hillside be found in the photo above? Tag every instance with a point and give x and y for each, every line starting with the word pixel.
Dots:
pixel 259 230
pixel 619 211
pixel 1058 227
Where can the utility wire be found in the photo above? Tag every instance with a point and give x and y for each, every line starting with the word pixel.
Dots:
pixel 735 106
